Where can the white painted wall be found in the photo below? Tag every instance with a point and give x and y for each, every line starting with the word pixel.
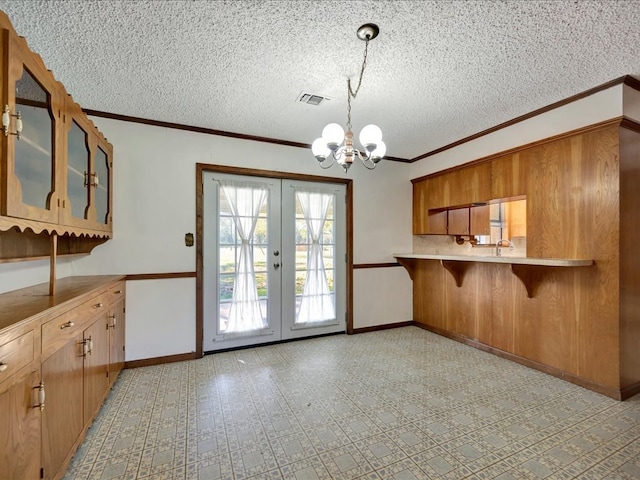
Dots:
pixel 14 276
pixel 631 103
pixel 160 317
pixel 154 206
pixel 382 293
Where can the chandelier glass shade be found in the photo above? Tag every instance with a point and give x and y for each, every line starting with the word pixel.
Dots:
pixel 336 145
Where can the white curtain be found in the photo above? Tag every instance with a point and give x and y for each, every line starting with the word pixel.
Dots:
pixel 317 300
pixel 245 202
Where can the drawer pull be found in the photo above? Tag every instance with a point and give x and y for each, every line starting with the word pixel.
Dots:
pixel 98 305
pixel 3 366
pixel 118 292
pixel 41 396
pixel 67 325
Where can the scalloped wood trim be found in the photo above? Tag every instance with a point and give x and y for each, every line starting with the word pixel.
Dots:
pixel 23 225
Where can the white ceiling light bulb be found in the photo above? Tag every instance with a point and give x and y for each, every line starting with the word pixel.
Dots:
pixel 370 136
pixel 379 152
pixel 320 149
pixel 333 135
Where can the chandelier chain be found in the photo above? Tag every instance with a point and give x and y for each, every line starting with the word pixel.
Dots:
pixel 350 93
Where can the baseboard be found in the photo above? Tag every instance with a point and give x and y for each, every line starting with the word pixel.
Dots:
pixel 630 391
pixel 386 326
pixel 612 392
pixel 146 362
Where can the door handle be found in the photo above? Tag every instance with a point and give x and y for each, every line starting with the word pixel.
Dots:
pixel 276 265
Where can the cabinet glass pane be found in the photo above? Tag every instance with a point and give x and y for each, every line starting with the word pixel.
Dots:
pixel 34 150
pixel 77 166
pixel 103 187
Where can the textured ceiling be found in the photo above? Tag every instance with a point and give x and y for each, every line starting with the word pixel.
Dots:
pixel 438 72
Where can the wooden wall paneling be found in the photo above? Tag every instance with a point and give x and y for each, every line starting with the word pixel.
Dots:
pixel 460 303
pixel 509 176
pixel 420 208
pixel 629 258
pixel 599 340
pixel 497 329
pixel 428 293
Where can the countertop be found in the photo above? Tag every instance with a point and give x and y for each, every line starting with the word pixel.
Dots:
pixel 548 262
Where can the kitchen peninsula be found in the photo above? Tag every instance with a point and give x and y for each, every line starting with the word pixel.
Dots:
pixel 577 315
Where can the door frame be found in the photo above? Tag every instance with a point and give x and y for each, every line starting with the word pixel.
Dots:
pixel 226 169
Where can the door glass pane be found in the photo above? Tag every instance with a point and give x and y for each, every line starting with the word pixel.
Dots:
pixel 243 275
pixel 315 295
pixel 102 187
pixel 34 151
pixel 77 167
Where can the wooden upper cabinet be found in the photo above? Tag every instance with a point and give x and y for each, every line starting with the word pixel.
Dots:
pixel 508 176
pixel 31 158
pixel 87 173
pixel 479 220
pixel 57 172
pixel 426 222
pixel 459 221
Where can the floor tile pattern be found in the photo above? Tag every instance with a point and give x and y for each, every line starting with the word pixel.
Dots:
pixel 401 404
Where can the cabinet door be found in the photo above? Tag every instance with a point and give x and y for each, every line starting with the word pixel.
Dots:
pixel 459 221
pixel 20 427
pixel 437 223
pixel 96 366
pixel 116 340
pixel 31 158
pixel 62 418
pixel 87 176
pixel 479 220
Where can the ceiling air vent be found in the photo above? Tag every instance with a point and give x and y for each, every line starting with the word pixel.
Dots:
pixel 311 99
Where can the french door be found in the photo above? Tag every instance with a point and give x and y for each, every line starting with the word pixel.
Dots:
pixel 274 260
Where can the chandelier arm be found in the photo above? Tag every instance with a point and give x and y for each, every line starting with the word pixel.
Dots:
pixel 322 163
pixel 368 163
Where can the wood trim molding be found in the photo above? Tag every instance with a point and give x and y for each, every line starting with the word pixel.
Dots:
pixel 210 131
pixel 159 276
pixel 626 80
pixel 358 266
pixel 618 394
pixel 203 167
pixel 146 362
pixel 387 326
pixel 617 121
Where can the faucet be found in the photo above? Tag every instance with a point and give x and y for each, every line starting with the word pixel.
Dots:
pixel 499 244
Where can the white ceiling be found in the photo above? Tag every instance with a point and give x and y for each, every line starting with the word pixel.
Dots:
pixel 438 72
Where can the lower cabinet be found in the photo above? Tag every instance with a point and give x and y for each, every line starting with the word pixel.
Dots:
pixel 20 428
pixel 62 418
pixel 96 366
pixel 116 340
pixel 57 364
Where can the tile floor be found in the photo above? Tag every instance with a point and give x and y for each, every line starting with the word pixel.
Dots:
pixel 399 404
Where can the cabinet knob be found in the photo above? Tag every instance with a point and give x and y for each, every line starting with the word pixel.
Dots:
pixel 98 305
pixel 3 366
pixel 67 325
pixel 118 292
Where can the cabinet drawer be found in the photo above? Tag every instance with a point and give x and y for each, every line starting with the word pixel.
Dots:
pixel 57 332
pixel 115 293
pixel 15 354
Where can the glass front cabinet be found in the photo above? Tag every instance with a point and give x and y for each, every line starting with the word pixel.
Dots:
pixel 87 176
pixel 55 166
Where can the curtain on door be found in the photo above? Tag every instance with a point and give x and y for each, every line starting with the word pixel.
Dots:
pixel 245 201
pixel 317 303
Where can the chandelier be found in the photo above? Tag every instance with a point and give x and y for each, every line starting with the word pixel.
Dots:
pixel 336 145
